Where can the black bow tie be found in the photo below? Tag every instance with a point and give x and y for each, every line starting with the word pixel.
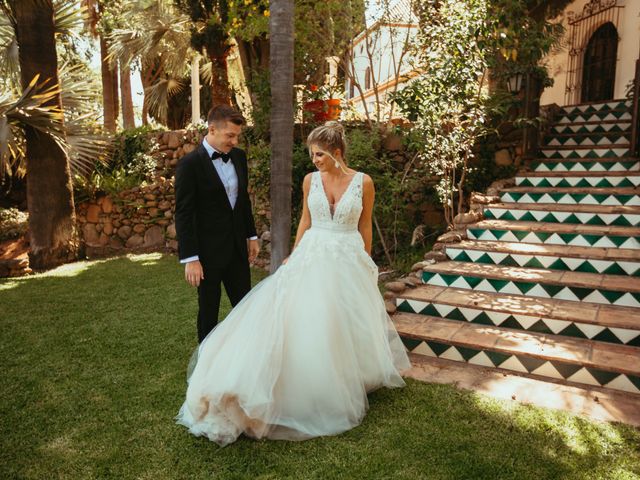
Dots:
pixel 224 156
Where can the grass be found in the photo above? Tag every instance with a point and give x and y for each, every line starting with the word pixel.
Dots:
pixel 94 358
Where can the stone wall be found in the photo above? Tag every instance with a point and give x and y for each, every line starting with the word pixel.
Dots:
pixel 136 219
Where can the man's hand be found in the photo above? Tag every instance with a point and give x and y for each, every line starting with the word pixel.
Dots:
pixel 254 248
pixel 193 273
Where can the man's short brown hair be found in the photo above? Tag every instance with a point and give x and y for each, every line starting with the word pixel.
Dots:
pixel 225 113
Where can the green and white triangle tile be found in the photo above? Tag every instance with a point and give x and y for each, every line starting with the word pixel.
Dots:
pixel 582 240
pixel 587 140
pixel 579 182
pixel 580 218
pixel 585 153
pixel 604 116
pixel 587 166
pixel 568 129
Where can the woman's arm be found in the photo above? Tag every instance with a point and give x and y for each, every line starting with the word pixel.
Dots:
pixel 364 224
pixel 305 218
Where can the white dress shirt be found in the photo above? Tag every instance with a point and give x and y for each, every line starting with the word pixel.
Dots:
pixel 229 177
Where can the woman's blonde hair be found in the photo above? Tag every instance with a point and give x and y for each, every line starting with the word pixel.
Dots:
pixel 329 137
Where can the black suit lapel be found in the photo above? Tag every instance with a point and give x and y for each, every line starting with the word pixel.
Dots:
pixel 212 173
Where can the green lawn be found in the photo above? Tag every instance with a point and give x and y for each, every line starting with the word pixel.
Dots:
pixel 94 359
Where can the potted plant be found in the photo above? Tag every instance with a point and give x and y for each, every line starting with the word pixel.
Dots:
pixel 323 103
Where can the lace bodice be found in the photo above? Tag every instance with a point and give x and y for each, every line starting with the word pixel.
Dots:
pixel 347 211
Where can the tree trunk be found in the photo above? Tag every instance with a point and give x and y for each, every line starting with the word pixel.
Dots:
pixel 281 64
pixel 220 93
pixel 254 58
pixel 109 89
pixel 52 234
pixel 128 118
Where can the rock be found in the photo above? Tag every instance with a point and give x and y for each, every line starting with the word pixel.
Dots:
pixel 266 236
pixel 171 231
pixel 90 234
pixel 503 158
pixel 382 276
pixel 417 266
pixel 139 228
pixel 116 242
pixel 483 199
pixel 168 214
pixel 107 229
pixel 104 239
pixel 173 245
pixel 153 212
pixel 173 162
pixel 149 196
pixel 134 241
pixel 164 205
pixel 390 306
pixel 154 236
pixel 188 147
pixel 93 213
pixel 388 295
pixel 107 205
pixel 465 218
pixel 412 282
pixel 98 227
pixel 433 257
pixel 396 287
pixel 450 237
pixel 173 139
pixel 124 232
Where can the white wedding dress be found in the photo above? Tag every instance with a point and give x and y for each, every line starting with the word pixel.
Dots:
pixel 297 356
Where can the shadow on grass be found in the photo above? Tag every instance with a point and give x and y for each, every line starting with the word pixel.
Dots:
pixel 94 361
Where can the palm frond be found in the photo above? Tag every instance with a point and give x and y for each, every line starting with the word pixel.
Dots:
pixel 86 148
pixel 68 17
pixel 80 91
pixel 9 61
pixel 159 93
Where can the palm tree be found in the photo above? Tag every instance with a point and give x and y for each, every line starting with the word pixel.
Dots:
pixel 52 235
pixel 281 63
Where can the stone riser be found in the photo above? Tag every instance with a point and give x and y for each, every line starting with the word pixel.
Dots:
pixel 588 140
pixel 523 363
pixel 575 239
pixel 593 128
pixel 533 289
pixel 579 182
pixel 551 262
pixel 527 323
pixel 571 199
pixel 586 166
pixel 585 153
pixel 606 116
pixel 597 107
pixel 578 218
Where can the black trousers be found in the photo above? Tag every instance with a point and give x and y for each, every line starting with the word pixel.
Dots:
pixel 236 278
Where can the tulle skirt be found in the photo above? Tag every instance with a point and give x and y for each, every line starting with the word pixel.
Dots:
pixel 297 356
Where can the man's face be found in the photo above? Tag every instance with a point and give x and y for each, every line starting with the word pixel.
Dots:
pixel 223 136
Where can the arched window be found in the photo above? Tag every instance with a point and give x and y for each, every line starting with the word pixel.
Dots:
pixel 599 68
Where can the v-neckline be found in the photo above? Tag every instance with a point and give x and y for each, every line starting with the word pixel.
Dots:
pixel 326 199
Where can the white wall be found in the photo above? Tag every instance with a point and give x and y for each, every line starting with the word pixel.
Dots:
pixel 628 51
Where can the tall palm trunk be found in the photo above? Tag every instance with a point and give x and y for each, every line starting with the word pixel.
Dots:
pixel 109 88
pixel 49 191
pixel 220 92
pixel 128 119
pixel 281 64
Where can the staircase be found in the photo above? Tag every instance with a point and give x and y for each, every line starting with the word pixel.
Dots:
pixel 547 286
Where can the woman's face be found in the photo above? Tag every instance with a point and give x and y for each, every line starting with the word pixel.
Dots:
pixel 321 159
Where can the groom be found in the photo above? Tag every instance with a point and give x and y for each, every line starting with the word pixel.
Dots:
pixel 216 232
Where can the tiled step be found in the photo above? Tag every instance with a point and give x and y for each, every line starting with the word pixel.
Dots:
pixel 581 214
pixel 616 104
pixel 574 286
pixel 556 234
pixel 579 179
pixel 591 127
pixel 605 115
pixel 584 152
pixel 602 323
pixel 572 196
pixel 608 140
pixel 585 400
pixel 570 360
pixel 612 261
pixel 627 164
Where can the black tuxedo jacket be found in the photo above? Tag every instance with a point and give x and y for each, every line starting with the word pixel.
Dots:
pixel 206 224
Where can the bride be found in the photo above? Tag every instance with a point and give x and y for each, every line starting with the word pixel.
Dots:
pixel 297 356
